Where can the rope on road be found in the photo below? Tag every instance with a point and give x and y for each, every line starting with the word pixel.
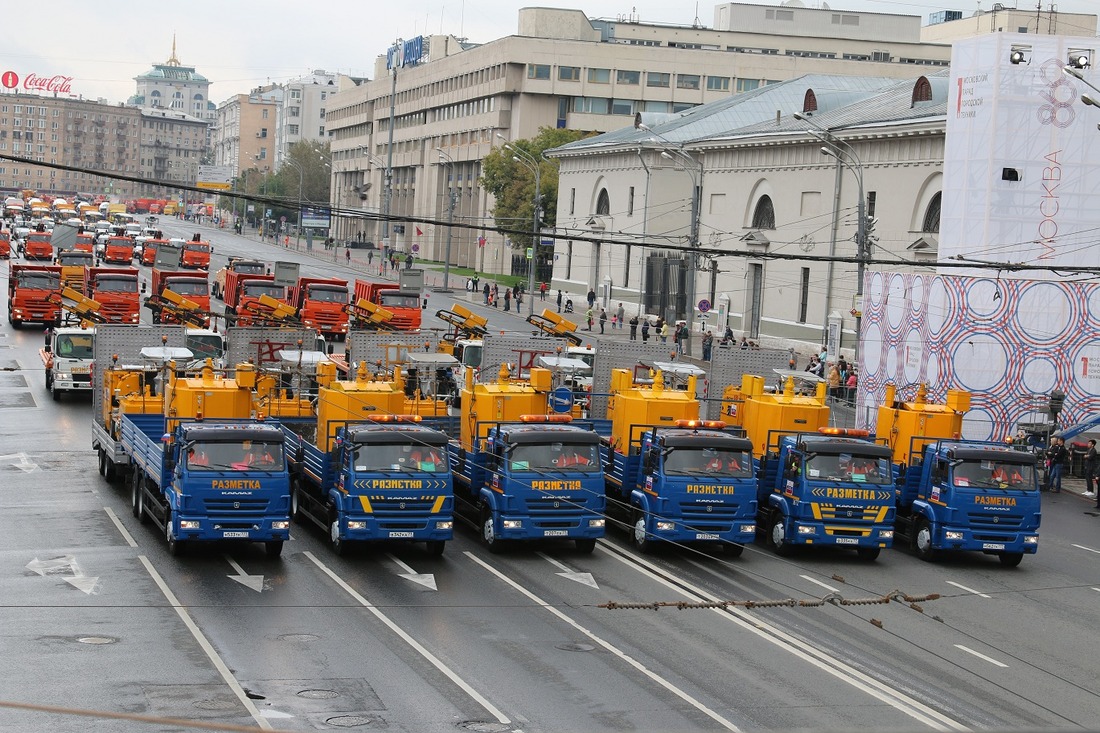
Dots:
pixel 833 598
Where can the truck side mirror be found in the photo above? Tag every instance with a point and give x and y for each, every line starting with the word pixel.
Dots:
pixel 461 455
pixel 143 287
pixel 169 457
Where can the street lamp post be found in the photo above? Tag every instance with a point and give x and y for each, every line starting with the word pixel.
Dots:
pixel 298 238
pixel 449 162
pixel 531 163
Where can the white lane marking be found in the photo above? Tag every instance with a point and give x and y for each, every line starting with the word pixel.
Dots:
pixel 434 660
pixel 609 647
pixel 829 664
pixel 979 655
pixel 425 579
pixel 206 646
pixel 255 582
pixel 829 588
pixel 1087 549
pixel 575 576
pixel 968 590
pixel 121 529
pixel 1097 590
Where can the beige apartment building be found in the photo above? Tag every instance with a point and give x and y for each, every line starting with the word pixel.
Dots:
pixel 244 130
pixel 172 145
pixel 455 100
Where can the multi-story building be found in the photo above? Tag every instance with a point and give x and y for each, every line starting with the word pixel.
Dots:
pixel 564 70
pixel 946 26
pixel 173 86
pixel 302 110
pixel 94 136
pixel 172 144
pixel 244 130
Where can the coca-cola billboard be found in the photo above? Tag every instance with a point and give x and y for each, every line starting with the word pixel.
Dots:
pixel 56 84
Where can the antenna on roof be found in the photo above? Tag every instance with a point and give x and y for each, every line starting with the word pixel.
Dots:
pixel 696 24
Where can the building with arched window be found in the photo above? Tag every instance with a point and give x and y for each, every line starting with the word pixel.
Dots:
pixel 175 87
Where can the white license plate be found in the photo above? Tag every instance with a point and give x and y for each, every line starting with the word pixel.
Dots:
pixel 234 534
pixel 705 536
pixel 847 541
pixel 400 535
pixel 992 546
pixel 555 533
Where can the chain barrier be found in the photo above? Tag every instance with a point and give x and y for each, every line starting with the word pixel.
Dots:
pixel 834 598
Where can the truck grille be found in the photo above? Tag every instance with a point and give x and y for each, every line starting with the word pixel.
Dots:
pixel 236 505
pixel 832 513
pixel 401 506
pixel 700 512
pixel 82 378
pixel 997 522
pixel 554 506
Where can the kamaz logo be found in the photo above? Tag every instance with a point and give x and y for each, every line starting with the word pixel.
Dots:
pixel 236 505
pixel 401 505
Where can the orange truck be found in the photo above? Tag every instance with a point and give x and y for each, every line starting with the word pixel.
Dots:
pixel 239 265
pixel 195 254
pixel 5 244
pixel 116 291
pixel 405 306
pixel 321 304
pixel 149 250
pixel 85 242
pixel 189 285
pixel 38 246
pixel 243 292
pixel 119 250
pixel 34 294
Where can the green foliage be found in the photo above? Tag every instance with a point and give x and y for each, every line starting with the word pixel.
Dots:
pixel 512 182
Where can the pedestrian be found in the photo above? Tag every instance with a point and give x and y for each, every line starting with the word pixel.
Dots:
pixel 1091 464
pixel 708 344
pixel 589 317
pixel 559 301
pixel 347 254
pixel 619 313
pixel 370 256
pixel 664 333
pixel 645 331
pixel 634 328
pixel 591 298
pixel 494 295
pixel 851 383
pixel 519 300
pixel 485 292
pixel 542 291
pixel 507 299
pixel 1056 459
pixel 286 241
pixel 408 261
pixel 603 319
pixel 833 380
pixel 744 343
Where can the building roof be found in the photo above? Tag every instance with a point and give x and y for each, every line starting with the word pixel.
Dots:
pixel 173 73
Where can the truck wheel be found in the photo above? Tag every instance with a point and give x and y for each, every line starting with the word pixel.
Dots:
pixel 1011 559
pixel 435 547
pixel 585 546
pixel 49 380
pixel 777 536
pixel 339 545
pixel 55 393
pixel 488 531
pixel 110 472
pixel 175 546
pixel 733 549
pixel 922 541
pixel 641 540
pixel 273 549
pixel 296 502
pixel 103 463
pixel 868 554
pixel 138 498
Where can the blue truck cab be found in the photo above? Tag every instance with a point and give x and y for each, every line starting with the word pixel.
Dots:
pixel 692 483
pixel 964 495
pixel 534 479
pixel 833 488
pixel 202 481
pixel 385 480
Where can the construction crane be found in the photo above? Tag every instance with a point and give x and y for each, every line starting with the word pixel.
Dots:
pixel 553 324
pixel 368 316
pixel 78 308
pixel 464 323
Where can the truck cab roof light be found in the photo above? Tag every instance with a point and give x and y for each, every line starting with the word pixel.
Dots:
pixel 545 418
pixel 848 432
pixel 394 418
pixel 716 424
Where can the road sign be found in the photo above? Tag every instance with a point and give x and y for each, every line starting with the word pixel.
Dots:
pixel 561 399
pixel 704 305
pixel 416 248
pixel 268 214
pixel 282 219
pixel 530 253
pixel 286 273
pixel 215 177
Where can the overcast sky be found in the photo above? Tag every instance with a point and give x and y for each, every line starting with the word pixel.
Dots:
pixel 240 44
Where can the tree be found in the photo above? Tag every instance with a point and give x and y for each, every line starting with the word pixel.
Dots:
pixel 512 182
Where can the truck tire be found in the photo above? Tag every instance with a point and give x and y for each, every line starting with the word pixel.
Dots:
pixel 103 463
pixel 732 549
pixel 488 531
pixel 922 540
pixel 137 497
pixel 777 536
pixel 641 540
pixel 175 546
pixel 55 393
pixel 49 381
pixel 296 502
pixel 586 545
pixel 273 549
pixel 110 472
pixel 1011 559
pixel 867 554
pixel 435 547
pixel 339 545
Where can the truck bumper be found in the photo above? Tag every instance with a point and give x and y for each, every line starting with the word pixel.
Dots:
pixel 967 540
pixel 817 533
pixel 422 528
pixel 255 529
pixel 742 532
pixel 527 527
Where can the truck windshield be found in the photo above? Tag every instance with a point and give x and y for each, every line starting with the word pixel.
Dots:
pixel 205 346
pixel 554 457
pixel 116 285
pixel 848 467
pixel 76 347
pixel 399 300
pixel 249 268
pixel 708 461
pixel 75 258
pixel 188 287
pixel 248 455
pixel 993 474
pixel 328 294
pixel 196 247
pixel 255 290
pixel 471 356
pixel 398 457
pixel 40 280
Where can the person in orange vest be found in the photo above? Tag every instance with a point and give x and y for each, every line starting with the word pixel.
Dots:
pixel 1002 475
pixel 570 457
pixel 197 458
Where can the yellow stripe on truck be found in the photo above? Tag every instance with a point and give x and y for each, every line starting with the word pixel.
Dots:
pixel 438 504
pixel 366 504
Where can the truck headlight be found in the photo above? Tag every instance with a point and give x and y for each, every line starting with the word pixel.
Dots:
pixel 886 534
pixel 807 529
pixel 1031 540
pixel 748 528
pixel 513 523
pixel 951 535
pixel 280 525
pixel 597 522
pixel 666 526
pixel 448 524
pixel 357 525
pixel 189 524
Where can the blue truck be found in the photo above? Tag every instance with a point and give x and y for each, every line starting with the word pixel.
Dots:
pixel 206 480
pixel 533 479
pixel 834 487
pixel 381 481
pixel 685 484
pixel 965 495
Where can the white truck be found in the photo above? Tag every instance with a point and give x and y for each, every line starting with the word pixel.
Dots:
pixel 68 356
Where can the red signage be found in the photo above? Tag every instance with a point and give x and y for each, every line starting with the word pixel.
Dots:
pixel 57 84
pixel 10 79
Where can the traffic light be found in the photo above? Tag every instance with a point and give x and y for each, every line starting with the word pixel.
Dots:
pixel 1055 402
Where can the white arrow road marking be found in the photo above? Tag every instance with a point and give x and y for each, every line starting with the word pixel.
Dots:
pixel 59 566
pixel 425 579
pixel 21 462
pixel 255 582
pixel 582 578
pixel 968 590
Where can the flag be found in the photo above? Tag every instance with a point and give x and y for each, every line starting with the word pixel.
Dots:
pixel 419 233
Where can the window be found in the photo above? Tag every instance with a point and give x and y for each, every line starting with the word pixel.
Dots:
pixel 804 295
pixel 687 81
pixel 572 201
pixel 569 73
pixel 599 76
pixel 321 131
pixel 883 56
pixel 292 129
pixel 718 83
pixel 931 223
pixel 592 105
pixel 321 113
pixel 872 201
pixel 622 107
pixel 630 202
pixel 294 111
pixel 263 130
pixel 603 203
pixel 628 77
pixel 263 154
pixel 747 85
pixel 264 114
pixel 656 79
pixel 763 217
pixel 538 71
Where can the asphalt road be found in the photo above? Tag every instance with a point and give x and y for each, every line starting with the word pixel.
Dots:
pixel 99 617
